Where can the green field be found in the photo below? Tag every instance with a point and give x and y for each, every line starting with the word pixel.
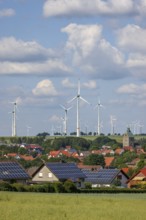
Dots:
pixel 37 206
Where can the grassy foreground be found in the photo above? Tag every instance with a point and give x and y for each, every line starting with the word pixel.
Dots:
pixel 36 206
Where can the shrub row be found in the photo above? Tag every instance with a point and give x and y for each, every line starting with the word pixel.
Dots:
pixel 58 187
pixel 66 187
pixel 112 190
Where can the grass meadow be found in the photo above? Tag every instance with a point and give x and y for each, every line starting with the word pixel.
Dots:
pixel 39 206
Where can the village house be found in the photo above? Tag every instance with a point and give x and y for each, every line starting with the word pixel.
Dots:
pixel 106 177
pixel 55 172
pixel 138 179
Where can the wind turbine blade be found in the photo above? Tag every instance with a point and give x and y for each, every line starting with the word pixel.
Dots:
pixel 84 100
pixel 72 99
pixel 69 108
pixel 79 87
pixel 62 107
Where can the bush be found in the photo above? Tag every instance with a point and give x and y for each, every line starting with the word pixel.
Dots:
pixel 5 186
pixel 88 185
pixel 59 188
pixel 19 187
pixel 70 187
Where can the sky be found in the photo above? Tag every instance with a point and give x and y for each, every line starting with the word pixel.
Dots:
pixel 47 46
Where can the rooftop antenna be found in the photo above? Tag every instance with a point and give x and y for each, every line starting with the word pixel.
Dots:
pixel 78 97
pixel 65 118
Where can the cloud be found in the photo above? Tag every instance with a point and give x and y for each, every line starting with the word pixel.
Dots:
pixel 138 91
pixel 54 118
pixel 8 12
pixel 24 51
pixel 129 89
pixel 45 88
pixel 67 83
pixel 90 84
pixel 90 51
pixel 86 8
pixel 132 38
pixel 29 58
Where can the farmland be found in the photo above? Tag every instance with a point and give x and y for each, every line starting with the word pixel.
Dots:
pixel 24 206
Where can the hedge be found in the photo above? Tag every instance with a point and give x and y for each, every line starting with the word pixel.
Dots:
pixel 58 187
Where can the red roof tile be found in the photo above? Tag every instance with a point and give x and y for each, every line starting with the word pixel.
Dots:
pixel 108 161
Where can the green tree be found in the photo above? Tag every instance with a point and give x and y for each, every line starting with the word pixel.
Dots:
pixel 94 159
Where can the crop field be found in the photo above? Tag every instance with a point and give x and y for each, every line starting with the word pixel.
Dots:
pixel 37 206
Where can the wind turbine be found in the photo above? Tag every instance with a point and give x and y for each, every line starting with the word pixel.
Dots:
pixel 27 129
pixel 98 106
pixel 65 118
pixel 78 97
pixel 112 121
pixel 14 118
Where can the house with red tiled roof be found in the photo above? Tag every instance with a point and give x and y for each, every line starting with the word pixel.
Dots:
pixel 54 154
pixel 138 179
pixel 103 152
pixel 108 161
pixel 19 156
pixel 128 148
pixel 26 157
pixel 89 167
pixel 133 163
pixel 119 151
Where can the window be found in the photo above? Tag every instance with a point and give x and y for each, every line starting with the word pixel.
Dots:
pixel 119 177
pixel 50 175
pixel 40 174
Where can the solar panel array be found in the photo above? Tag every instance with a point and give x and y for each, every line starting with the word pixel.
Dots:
pixel 102 176
pixel 12 170
pixel 66 170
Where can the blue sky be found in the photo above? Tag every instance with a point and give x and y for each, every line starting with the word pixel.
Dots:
pixel 47 45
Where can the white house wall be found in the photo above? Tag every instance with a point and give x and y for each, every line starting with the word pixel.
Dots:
pixel 44 175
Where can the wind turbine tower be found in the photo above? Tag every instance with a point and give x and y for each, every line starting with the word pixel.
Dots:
pixel 112 121
pixel 78 97
pixel 99 105
pixel 65 118
pixel 14 119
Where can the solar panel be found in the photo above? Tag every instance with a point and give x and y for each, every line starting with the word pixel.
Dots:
pixel 66 170
pixel 12 170
pixel 103 176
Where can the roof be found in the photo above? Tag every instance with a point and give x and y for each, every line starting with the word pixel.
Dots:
pixel 89 167
pixel 125 169
pixel 12 170
pixel 108 161
pixel 102 176
pixel 143 171
pixel 65 170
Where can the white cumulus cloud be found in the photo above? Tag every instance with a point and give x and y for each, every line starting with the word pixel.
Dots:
pixel 67 83
pixel 90 52
pixel 86 7
pixel 132 38
pixel 29 57
pixel 45 88
pixel 91 84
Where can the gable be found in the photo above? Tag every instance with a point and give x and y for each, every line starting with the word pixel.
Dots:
pixel 44 175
